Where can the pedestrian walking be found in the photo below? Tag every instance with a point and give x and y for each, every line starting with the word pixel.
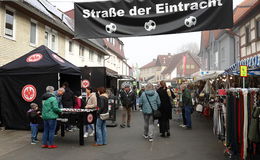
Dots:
pixel 91 103
pixel 187 103
pixel 165 109
pixel 184 122
pixel 50 113
pixel 150 101
pixel 134 108
pixel 127 97
pixel 101 130
pixel 34 117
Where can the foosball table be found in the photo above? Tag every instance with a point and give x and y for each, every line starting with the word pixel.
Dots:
pixel 79 118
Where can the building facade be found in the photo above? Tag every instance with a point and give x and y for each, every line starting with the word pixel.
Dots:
pixel 25 25
pixel 222 48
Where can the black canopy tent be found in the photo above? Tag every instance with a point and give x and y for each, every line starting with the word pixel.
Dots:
pixel 24 81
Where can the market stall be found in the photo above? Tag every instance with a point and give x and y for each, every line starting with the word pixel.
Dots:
pixel 25 79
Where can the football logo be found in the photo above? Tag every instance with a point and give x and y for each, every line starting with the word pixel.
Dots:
pixel 90 118
pixel 111 28
pixel 29 93
pixel 58 58
pixel 150 25
pixel 190 21
pixel 34 58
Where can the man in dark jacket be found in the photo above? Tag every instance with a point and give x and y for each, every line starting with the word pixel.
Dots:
pixel 187 103
pixel 127 98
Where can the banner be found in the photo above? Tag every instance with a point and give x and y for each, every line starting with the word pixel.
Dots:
pixel 125 18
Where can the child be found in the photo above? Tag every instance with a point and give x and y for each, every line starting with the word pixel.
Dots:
pixel 34 117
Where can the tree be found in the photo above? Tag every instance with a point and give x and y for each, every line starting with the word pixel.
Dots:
pixel 192 47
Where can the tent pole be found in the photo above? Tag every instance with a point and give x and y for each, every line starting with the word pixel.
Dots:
pixel 58 80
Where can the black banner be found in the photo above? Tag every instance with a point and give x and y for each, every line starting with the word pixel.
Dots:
pixel 124 18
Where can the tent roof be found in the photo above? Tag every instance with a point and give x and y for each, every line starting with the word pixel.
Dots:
pixel 41 60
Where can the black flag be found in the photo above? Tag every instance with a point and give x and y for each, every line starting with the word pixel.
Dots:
pixel 124 18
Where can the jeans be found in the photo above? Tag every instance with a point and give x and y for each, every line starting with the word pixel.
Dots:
pixel 101 131
pixel 188 116
pixel 148 125
pixel 89 126
pixel 49 130
pixel 34 130
pixel 183 116
pixel 126 111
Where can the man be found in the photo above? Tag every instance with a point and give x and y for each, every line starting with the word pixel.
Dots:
pixel 127 97
pixel 50 113
pixel 187 103
pixel 58 94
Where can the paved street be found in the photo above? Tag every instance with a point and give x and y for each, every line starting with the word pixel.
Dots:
pixel 124 144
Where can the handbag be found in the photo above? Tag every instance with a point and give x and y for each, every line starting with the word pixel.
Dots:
pixel 156 113
pixel 199 108
pixel 104 116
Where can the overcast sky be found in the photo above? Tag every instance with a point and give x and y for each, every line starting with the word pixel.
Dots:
pixel 142 50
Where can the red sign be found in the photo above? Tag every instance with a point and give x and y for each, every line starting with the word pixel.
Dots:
pixel 34 58
pixel 222 92
pixel 29 93
pixel 90 118
pixel 58 58
pixel 85 83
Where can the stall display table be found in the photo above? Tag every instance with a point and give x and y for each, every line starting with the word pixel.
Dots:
pixel 79 118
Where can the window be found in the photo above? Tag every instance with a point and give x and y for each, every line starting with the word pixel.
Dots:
pixel 248 35
pixel 258 28
pixel 120 47
pixel 91 55
pixel 187 66
pixel 9 24
pixel 46 38
pixel 99 59
pixel 33 34
pixel 192 66
pixel 81 51
pixel 70 46
pixel 53 42
pixel 112 40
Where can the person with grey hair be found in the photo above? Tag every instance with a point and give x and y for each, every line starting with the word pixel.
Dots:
pixel 50 113
pixel 149 101
pixel 58 94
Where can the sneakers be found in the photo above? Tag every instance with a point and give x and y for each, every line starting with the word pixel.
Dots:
pixel 52 146
pixel 44 146
pixel 128 126
pixel 150 139
pixel 183 126
pixel 168 134
pixel 86 135
pixel 33 142
pixel 92 134
pixel 122 125
pixel 145 136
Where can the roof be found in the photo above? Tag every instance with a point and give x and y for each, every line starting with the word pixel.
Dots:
pixel 41 60
pixel 163 60
pixel 174 61
pixel 149 65
pixel 70 13
pixel 241 10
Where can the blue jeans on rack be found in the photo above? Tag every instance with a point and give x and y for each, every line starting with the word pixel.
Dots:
pixel 188 116
pixel 101 132
pixel 49 131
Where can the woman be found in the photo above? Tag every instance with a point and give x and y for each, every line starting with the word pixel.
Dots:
pixel 166 110
pixel 50 113
pixel 101 130
pixel 148 100
pixel 91 103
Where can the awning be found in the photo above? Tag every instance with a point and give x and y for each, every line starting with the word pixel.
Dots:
pixel 111 73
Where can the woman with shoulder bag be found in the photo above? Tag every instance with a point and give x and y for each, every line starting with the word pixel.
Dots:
pixel 101 130
pixel 150 102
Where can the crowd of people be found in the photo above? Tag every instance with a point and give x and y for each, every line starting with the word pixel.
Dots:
pixel 155 103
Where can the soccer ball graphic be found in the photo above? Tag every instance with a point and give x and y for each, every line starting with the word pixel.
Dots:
pixel 191 21
pixel 110 28
pixel 150 25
